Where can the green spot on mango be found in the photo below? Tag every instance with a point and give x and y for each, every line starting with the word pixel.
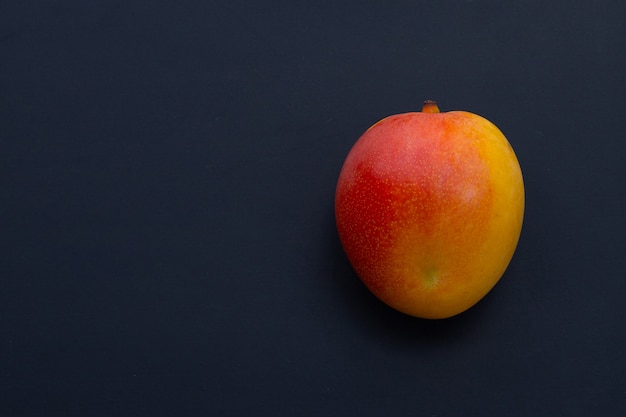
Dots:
pixel 430 277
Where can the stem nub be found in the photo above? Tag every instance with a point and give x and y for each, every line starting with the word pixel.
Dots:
pixel 430 106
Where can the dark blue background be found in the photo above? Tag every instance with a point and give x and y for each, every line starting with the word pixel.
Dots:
pixel 168 245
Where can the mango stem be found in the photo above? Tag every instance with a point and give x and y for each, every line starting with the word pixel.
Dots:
pixel 430 106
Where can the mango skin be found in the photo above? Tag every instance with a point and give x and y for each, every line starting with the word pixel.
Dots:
pixel 429 210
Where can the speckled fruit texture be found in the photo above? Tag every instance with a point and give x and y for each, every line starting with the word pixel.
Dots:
pixel 429 209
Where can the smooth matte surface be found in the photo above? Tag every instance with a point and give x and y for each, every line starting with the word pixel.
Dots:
pixel 167 178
